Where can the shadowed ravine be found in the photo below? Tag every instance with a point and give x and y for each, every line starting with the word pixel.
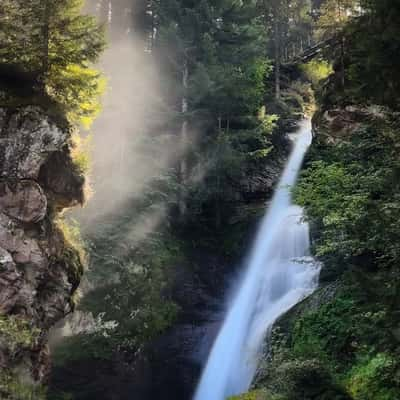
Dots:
pixel 280 274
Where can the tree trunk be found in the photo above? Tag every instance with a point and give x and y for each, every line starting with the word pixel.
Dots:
pixel 183 143
pixel 277 58
pixel 342 66
pixel 45 44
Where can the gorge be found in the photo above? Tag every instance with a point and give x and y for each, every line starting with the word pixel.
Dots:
pixel 169 230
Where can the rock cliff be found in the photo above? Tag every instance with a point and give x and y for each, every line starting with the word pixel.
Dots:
pixel 39 269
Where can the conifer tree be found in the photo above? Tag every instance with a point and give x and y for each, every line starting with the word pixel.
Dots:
pixel 53 41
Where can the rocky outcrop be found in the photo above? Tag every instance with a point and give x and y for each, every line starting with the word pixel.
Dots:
pixel 338 124
pixel 260 185
pixel 39 269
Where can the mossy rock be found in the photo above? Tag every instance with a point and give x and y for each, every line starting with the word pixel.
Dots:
pixel 12 388
pixel 17 333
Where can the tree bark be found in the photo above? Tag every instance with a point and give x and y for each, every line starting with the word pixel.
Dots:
pixel 342 66
pixel 45 44
pixel 183 143
pixel 277 55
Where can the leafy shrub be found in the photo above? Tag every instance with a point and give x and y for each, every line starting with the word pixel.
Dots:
pixel 256 395
pixel 316 71
pixel 72 235
pixel 375 378
pixel 297 379
pixel 80 152
pixel 350 193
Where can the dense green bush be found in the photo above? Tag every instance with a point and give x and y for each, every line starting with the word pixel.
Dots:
pixel 350 192
pixel 375 377
pixel 316 71
pixel 257 395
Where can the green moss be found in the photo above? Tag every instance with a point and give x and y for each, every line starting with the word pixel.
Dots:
pixel 11 388
pixel 72 236
pixel 74 254
pixel 81 152
pixel 17 333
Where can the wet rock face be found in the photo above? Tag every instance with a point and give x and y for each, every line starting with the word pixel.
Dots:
pixel 39 272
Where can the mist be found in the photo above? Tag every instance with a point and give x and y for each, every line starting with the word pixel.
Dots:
pixel 131 144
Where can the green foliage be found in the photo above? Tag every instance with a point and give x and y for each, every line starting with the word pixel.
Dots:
pixel 316 71
pixel 351 195
pixel 81 152
pixel 240 88
pixel 225 46
pixel 333 17
pixel 78 89
pixel 53 42
pixel 375 377
pixel 346 342
pixel 255 395
pixel 337 197
pixel 340 329
pixel 306 379
pixel 131 302
pixel 229 158
pixel 373 58
pixel 222 48
pixel 366 50
pixel 73 238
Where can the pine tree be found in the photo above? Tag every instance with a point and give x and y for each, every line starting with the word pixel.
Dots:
pixel 53 41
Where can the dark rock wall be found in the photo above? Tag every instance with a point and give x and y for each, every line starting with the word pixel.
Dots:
pixel 39 270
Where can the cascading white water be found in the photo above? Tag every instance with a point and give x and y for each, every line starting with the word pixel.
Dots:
pixel 280 274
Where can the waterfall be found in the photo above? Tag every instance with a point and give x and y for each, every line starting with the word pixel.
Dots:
pixel 280 274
